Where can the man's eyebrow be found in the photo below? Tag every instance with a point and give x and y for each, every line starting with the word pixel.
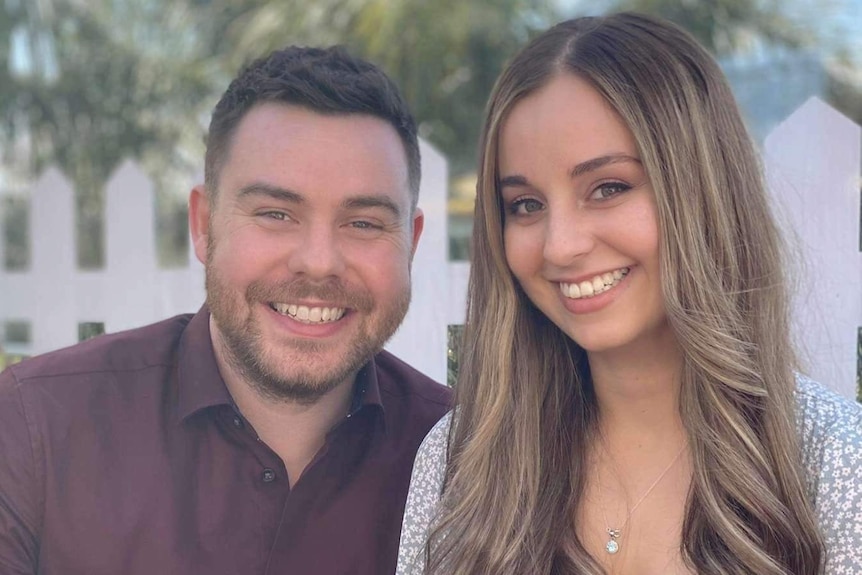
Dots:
pixel 274 192
pixel 599 162
pixel 372 201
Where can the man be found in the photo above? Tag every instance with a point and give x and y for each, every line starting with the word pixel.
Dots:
pixel 267 433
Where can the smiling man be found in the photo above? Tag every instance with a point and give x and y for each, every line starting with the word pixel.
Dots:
pixel 268 433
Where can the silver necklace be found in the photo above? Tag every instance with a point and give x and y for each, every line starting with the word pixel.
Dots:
pixel 614 534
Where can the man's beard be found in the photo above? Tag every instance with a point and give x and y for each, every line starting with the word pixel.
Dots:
pixel 269 371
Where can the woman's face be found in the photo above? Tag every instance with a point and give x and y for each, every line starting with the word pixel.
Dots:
pixel 581 230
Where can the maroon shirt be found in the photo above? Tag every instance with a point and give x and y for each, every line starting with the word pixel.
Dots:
pixel 124 455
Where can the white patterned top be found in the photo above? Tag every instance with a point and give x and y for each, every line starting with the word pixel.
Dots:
pixel 830 428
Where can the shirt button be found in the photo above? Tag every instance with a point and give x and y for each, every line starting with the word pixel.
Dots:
pixel 237 422
pixel 268 475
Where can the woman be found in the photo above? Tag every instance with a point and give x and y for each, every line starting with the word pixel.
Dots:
pixel 627 401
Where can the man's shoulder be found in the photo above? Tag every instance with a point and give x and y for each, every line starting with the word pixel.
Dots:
pixel 127 351
pixel 399 379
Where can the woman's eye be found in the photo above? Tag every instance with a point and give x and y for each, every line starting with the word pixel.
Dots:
pixel 608 190
pixel 525 206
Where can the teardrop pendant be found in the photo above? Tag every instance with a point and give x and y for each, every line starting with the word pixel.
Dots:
pixel 612 546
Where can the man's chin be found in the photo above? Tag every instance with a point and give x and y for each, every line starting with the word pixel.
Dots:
pixel 284 368
pixel 304 393
pixel 303 373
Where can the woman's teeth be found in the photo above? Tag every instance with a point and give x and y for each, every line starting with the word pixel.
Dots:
pixel 599 284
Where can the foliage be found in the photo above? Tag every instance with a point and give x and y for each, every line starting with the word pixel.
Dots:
pixel 728 26
pixel 444 55
pixel 7 359
pixel 88 330
pixel 88 84
pixel 453 353
pixel 14 223
pixel 110 79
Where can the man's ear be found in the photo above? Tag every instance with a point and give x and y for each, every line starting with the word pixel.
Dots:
pixel 199 220
pixel 418 225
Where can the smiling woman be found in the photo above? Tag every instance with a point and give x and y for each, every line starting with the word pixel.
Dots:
pixel 580 224
pixel 627 401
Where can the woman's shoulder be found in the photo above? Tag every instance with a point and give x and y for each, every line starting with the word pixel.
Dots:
pixel 426 484
pixel 438 436
pixel 431 458
pixel 830 429
pixel 825 418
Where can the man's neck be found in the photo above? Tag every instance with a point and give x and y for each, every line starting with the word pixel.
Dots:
pixel 295 432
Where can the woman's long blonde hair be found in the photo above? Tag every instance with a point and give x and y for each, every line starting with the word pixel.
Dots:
pixel 525 405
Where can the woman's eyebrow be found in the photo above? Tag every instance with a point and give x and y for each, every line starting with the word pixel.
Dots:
pixel 518 181
pixel 599 162
pixel 514 181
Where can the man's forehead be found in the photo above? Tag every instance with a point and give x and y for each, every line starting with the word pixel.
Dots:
pixel 292 120
pixel 291 146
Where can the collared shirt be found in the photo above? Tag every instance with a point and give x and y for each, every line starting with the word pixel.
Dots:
pixel 125 455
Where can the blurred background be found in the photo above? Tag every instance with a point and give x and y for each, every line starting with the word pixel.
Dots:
pixel 87 84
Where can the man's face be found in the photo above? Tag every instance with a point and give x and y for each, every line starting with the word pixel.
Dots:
pixel 307 247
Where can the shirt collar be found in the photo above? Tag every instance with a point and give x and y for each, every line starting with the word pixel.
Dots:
pixel 201 386
pixel 366 391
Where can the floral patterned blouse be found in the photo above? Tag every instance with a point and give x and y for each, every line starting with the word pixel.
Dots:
pixel 830 429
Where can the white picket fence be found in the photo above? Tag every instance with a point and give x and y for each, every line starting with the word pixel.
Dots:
pixel 813 164
pixel 813 161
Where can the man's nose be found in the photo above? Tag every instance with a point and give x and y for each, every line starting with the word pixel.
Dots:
pixel 318 254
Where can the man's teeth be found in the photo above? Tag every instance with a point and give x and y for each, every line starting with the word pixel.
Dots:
pixel 307 314
pixel 600 283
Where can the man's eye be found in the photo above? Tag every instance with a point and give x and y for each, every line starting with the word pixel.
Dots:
pixel 281 216
pixel 525 206
pixel 364 225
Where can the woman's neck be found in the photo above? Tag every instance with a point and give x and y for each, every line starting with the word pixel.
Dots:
pixel 639 472
pixel 637 390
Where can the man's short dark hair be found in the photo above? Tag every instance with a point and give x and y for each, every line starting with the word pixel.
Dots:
pixel 324 80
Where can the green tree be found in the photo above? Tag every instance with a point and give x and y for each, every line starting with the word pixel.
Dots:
pixel 90 84
pixel 444 55
pixel 727 26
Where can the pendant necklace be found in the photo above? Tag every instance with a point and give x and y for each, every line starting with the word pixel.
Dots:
pixel 613 544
